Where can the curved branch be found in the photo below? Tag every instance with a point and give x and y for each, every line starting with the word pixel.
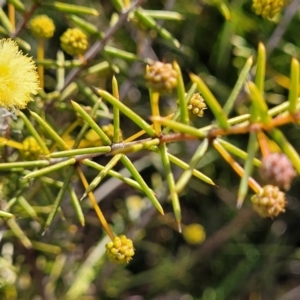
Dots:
pixel 99 45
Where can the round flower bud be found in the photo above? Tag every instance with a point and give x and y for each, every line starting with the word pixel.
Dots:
pixel 267 8
pixel 42 26
pixel 74 41
pixel 277 169
pixel 196 105
pixel 161 77
pixel 270 202
pixel 31 149
pixel 120 250
pixel 194 234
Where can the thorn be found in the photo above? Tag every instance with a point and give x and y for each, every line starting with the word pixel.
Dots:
pixel 155 118
pixel 179 227
pixel 84 195
pixel 239 203
pixel 161 210
pixel 96 89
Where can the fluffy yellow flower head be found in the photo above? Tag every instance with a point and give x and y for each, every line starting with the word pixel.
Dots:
pixel 42 26
pixel 18 76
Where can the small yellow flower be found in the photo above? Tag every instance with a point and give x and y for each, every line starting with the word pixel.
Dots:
pixel 194 234
pixel 269 202
pixel 31 149
pixel 161 77
pixel 197 105
pixel 42 26
pixel 120 250
pixel 74 41
pixel 18 76
pixel 267 8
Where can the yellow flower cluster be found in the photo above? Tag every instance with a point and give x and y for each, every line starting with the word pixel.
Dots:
pixel 197 105
pixel 18 76
pixel 267 8
pixel 74 41
pixel 31 149
pixel 270 202
pixel 120 250
pixel 161 77
pixel 42 26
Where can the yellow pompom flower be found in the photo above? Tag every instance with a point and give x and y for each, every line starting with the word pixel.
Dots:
pixel 120 250
pixel 197 105
pixel 42 26
pixel 161 77
pixel 18 76
pixel 194 234
pixel 31 149
pixel 267 8
pixel 269 202
pixel 74 41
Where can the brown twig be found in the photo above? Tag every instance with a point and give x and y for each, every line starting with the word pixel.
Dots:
pixel 27 16
pixel 276 122
pixel 173 137
pixel 99 45
pixel 277 34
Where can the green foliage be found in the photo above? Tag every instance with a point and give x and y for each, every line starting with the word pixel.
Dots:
pixel 113 146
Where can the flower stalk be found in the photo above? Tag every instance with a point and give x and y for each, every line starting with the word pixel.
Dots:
pixel 12 16
pixel 95 205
